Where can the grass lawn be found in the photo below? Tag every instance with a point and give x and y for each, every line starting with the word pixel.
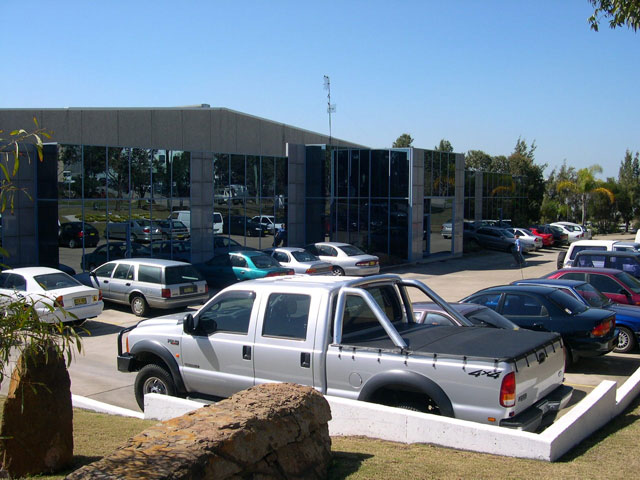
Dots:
pixel 610 453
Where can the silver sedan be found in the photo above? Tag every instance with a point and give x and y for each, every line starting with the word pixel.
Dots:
pixel 300 260
pixel 529 240
pixel 346 259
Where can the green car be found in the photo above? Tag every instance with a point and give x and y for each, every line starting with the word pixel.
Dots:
pixel 228 268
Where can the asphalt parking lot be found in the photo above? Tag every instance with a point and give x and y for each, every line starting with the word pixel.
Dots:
pixel 94 373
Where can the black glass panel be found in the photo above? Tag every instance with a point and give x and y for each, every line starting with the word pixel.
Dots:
pixel 380 179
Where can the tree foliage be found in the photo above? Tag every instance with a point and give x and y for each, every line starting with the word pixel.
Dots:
pixel 444 146
pixel 618 13
pixel 403 141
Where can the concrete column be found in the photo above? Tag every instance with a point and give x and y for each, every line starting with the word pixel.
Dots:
pixel 416 165
pixel 201 206
pixel 478 197
pixel 458 206
pixel 296 193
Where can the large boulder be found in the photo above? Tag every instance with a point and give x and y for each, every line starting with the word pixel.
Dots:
pixel 274 431
pixel 37 422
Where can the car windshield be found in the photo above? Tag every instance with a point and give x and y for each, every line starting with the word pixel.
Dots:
pixel 567 303
pixel 304 256
pixel 592 296
pixel 485 317
pixel 629 281
pixel 528 232
pixel 507 233
pixel 351 251
pixel 53 281
pixel 182 274
pixel 264 261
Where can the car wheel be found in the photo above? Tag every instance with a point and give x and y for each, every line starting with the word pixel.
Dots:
pixel 139 306
pixel 626 341
pixel 72 243
pixel 153 378
pixel 338 272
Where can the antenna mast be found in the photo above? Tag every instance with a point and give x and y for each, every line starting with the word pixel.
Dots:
pixel 331 108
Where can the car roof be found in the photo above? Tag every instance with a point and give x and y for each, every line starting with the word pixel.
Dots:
pixel 326 282
pixel 287 249
pixel 608 253
pixel 462 308
pixel 160 262
pixel 333 244
pixel 249 253
pixel 550 282
pixel 31 271
pixel 596 242
pixel 536 289
pixel 611 271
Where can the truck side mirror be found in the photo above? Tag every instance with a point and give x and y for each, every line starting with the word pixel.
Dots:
pixel 188 325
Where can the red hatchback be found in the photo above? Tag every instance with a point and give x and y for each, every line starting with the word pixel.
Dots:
pixel 547 238
pixel 617 285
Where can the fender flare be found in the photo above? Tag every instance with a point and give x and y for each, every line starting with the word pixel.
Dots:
pixel 415 381
pixel 156 348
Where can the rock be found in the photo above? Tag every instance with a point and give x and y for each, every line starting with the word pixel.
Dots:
pixel 272 431
pixel 37 422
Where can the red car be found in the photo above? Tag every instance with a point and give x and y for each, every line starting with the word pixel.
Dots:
pixel 617 285
pixel 547 238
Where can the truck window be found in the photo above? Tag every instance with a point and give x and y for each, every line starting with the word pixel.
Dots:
pixel 230 314
pixel 287 316
pixel 357 316
pixel 386 297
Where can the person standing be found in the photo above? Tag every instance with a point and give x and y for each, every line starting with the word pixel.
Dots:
pixel 516 251
pixel 280 236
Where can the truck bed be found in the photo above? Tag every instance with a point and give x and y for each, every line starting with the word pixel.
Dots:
pixel 479 342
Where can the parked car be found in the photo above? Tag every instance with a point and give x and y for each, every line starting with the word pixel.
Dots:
pixel 183 216
pixel 172 229
pixel 113 251
pixel 346 259
pixel 616 285
pixel 547 238
pixel 560 237
pixel 574 232
pixel 54 295
pixel 447 229
pixel 586 233
pixel 586 332
pixel 430 313
pixel 627 316
pixel 228 268
pixel 180 251
pixel 626 261
pixel 300 261
pixel 268 221
pixel 75 234
pixel 579 246
pixel 241 225
pixel 136 230
pixel 146 283
pixel 494 237
pixel 527 238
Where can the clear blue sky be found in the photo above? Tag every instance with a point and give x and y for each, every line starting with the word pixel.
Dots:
pixel 478 73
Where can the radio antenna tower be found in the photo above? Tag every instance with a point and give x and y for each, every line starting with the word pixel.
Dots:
pixel 331 108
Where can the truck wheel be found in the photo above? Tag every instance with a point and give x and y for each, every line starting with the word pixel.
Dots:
pixel 426 406
pixel 626 341
pixel 139 305
pixel 153 378
pixel 338 272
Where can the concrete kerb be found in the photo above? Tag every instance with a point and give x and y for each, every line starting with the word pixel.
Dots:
pixel 351 417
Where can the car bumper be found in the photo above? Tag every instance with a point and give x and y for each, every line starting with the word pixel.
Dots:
pixel 178 302
pixel 72 313
pixel 532 418
pixel 592 347
pixel 361 271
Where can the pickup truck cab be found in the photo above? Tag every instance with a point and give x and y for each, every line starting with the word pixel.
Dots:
pixel 349 337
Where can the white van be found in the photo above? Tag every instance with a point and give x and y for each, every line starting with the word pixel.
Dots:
pixel 578 246
pixel 185 217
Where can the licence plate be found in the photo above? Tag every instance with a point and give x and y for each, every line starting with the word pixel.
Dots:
pixel 189 289
pixel 80 301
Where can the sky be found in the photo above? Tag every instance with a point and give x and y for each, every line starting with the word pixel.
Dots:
pixel 480 74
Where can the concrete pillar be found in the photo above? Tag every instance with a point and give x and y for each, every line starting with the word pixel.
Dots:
pixel 201 206
pixel 296 195
pixel 458 206
pixel 416 165
pixel 478 197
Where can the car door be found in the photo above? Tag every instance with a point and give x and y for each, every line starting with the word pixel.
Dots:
pixel 120 283
pixel 284 340
pixel 526 311
pixel 240 267
pixel 218 358
pixel 101 278
pixel 612 289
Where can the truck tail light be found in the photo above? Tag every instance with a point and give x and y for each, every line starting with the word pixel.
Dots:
pixel 508 390
pixel 602 328
pixel 127 343
pixel 58 302
pixel 166 293
pixel 99 295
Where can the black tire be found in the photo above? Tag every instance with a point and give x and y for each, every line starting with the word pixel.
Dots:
pixel 139 305
pixel 72 243
pixel 626 340
pixel 153 378
pixel 338 272
pixel 426 406
pixel 568 358
pixel 560 261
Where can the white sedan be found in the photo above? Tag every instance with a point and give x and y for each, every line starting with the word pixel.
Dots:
pixel 54 295
pixel 345 258
pixel 300 260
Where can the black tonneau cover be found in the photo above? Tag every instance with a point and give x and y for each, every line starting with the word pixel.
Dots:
pixel 484 342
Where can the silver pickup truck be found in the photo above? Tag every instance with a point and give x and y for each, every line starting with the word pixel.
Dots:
pixel 350 337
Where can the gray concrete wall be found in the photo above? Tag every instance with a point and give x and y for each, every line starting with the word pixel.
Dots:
pixel 200 129
pixel 478 197
pixel 201 206
pixel 296 196
pixel 417 204
pixel 458 207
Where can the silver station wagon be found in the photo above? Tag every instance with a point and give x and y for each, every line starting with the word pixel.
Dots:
pixel 147 283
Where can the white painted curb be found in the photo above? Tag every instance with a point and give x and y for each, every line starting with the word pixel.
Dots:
pixel 100 407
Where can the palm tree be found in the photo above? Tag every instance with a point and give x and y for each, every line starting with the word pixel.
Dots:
pixel 586 185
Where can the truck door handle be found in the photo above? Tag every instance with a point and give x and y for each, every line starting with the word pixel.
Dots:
pixel 305 359
pixel 246 352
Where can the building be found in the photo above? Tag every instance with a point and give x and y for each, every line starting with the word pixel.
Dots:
pixel 121 165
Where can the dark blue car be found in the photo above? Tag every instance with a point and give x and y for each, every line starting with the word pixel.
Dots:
pixel 586 332
pixel 627 316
